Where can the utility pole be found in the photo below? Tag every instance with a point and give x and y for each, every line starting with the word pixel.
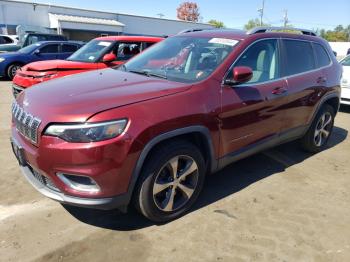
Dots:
pixel 285 18
pixel 261 11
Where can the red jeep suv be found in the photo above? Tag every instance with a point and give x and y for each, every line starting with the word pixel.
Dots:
pixel 99 53
pixel 149 131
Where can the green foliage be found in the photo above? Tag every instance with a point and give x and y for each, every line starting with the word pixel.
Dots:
pixel 253 23
pixel 216 23
pixel 339 34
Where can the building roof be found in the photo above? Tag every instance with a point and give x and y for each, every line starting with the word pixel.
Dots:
pixel 86 20
pixel 101 11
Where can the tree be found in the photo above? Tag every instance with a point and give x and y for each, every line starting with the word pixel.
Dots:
pixel 253 23
pixel 216 23
pixel 188 11
pixel 339 34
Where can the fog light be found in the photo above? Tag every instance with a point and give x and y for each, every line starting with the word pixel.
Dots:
pixel 79 183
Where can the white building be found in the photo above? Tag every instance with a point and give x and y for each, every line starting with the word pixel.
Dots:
pixel 84 24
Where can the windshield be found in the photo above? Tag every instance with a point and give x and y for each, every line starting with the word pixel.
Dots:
pixel 92 51
pixel 346 61
pixel 29 49
pixel 182 59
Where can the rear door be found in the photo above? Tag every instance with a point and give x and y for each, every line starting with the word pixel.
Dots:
pixel 305 82
pixel 252 112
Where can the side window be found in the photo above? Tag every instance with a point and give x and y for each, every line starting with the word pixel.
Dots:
pixel 49 49
pixel 147 45
pixel 298 57
pixel 5 40
pixel 69 48
pixel 125 51
pixel 262 58
pixel 321 56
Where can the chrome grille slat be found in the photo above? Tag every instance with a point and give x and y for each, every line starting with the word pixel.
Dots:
pixel 26 124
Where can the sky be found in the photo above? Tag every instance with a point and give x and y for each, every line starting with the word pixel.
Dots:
pixel 310 14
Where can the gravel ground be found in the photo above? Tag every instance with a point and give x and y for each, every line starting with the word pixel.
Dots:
pixel 280 205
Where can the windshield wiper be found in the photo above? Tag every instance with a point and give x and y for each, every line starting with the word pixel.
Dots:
pixel 147 73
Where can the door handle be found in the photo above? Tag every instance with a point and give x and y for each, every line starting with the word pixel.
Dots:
pixel 279 91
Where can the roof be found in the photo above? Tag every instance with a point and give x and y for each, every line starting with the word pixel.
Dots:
pixel 224 33
pixel 131 38
pixel 86 20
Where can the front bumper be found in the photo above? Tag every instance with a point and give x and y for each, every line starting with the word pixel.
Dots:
pixel 345 96
pixel 120 201
pixel 99 161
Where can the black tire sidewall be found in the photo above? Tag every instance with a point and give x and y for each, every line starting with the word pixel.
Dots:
pixel 9 70
pixel 155 163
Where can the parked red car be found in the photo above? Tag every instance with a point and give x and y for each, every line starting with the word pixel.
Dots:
pixel 99 53
pixel 150 130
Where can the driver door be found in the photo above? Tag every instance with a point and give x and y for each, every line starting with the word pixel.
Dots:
pixel 252 112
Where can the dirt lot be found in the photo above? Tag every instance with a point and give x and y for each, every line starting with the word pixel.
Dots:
pixel 280 205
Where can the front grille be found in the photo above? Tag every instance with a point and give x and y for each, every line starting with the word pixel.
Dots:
pixel 16 90
pixel 25 123
pixel 44 180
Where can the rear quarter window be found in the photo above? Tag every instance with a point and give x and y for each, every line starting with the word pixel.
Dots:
pixel 322 56
pixel 298 57
pixel 69 48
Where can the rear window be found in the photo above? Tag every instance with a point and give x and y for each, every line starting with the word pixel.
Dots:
pixel 321 56
pixel 298 56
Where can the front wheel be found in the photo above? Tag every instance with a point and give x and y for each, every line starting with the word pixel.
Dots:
pixel 12 69
pixel 170 181
pixel 315 140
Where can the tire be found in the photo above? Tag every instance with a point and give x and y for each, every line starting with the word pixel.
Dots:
pixel 316 138
pixel 11 70
pixel 160 195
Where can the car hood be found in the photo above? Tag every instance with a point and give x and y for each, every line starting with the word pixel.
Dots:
pixel 346 72
pixel 56 65
pixel 78 97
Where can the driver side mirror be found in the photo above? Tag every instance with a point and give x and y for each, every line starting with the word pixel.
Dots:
pixel 240 74
pixel 107 58
pixel 37 52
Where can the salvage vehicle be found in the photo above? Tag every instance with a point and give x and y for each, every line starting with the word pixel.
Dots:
pixel 13 61
pixel 149 131
pixel 99 53
pixel 345 82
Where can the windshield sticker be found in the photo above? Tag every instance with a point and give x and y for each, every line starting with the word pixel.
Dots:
pixel 223 41
pixel 91 58
pixel 104 43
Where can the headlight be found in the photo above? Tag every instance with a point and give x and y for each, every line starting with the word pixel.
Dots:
pixel 88 132
pixel 2 59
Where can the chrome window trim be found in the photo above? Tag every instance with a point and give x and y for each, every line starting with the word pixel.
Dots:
pixel 280 78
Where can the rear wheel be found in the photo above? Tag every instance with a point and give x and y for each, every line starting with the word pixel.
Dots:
pixel 170 182
pixel 315 140
pixel 12 69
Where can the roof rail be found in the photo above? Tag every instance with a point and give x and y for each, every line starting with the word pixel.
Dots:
pixel 190 30
pixel 264 29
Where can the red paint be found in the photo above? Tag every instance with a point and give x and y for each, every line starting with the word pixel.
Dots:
pixel 235 117
pixel 38 72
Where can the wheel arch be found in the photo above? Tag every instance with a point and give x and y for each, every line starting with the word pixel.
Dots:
pixel 198 135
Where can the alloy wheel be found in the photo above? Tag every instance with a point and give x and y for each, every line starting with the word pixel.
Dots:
pixel 175 183
pixel 323 129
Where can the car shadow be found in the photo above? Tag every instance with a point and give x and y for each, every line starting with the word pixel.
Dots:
pixel 228 181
